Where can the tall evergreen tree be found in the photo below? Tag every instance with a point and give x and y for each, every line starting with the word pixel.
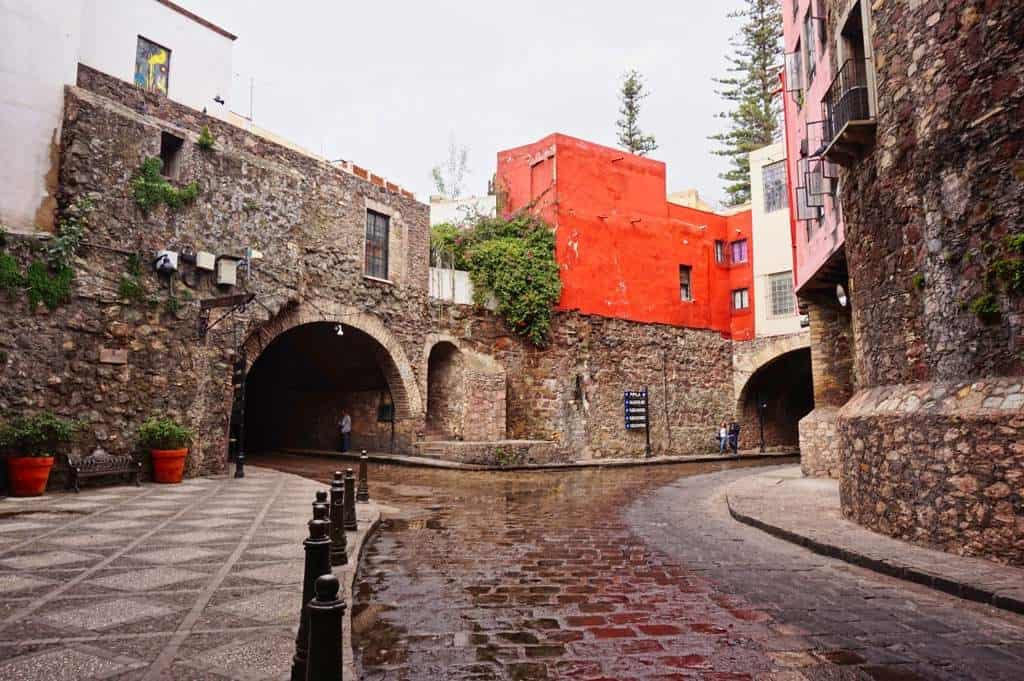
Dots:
pixel 751 88
pixel 631 138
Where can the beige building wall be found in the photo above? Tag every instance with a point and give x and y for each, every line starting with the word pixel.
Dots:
pixel 772 249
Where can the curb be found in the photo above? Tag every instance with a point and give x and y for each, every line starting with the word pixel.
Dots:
pixel 423 462
pixel 348 653
pixel 907 573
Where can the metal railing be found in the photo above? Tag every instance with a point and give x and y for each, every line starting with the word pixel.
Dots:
pixel 847 98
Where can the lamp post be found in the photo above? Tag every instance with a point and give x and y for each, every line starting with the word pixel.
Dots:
pixel 761 406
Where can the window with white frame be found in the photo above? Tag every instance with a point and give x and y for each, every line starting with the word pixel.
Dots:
pixel 740 299
pixel 685 285
pixel 773 177
pixel 781 301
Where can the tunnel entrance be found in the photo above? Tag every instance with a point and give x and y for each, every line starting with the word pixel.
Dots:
pixel 779 393
pixel 445 392
pixel 299 385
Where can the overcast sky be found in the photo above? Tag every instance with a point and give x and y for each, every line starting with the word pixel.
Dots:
pixel 386 83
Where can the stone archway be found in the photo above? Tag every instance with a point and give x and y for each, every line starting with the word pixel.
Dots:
pixel 475 383
pixel 776 396
pixel 319 371
pixel 446 392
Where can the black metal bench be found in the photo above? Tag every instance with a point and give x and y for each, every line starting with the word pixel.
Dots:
pixel 101 463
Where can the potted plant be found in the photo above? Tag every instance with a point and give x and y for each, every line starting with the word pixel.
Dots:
pixel 168 442
pixel 32 441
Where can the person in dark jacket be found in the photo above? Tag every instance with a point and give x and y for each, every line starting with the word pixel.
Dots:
pixel 734 437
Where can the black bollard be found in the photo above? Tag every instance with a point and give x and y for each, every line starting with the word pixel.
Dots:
pixel 326 613
pixel 339 548
pixel 350 501
pixel 318 562
pixel 363 490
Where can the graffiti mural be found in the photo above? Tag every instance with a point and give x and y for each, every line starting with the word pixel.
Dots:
pixel 152 66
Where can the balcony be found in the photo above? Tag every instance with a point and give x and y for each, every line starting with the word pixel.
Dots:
pixel 849 122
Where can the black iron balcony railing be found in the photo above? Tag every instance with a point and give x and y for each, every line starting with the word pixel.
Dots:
pixel 847 110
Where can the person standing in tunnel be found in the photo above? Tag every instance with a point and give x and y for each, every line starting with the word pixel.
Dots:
pixel 345 425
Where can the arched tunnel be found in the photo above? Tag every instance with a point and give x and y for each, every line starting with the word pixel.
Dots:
pixel 299 385
pixel 777 396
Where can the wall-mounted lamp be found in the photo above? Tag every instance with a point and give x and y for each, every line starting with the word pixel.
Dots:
pixel 339 329
pixel 841 295
pixel 219 100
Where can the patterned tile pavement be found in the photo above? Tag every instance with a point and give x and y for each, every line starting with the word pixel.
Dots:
pixel 200 580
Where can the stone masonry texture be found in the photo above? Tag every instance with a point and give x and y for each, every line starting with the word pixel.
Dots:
pixel 928 210
pixel 308 218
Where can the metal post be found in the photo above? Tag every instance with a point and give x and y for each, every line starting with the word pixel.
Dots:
pixel 339 553
pixel 240 454
pixel 761 406
pixel 363 490
pixel 647 421
pixel 351 524
pixel 326 612
pixel 318 562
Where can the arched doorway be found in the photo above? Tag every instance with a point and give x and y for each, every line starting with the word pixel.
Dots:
pixel 446 393
pixel 777 395
pixel 301 381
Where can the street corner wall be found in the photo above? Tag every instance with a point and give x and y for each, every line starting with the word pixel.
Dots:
pixel 115 355
pixel 571 392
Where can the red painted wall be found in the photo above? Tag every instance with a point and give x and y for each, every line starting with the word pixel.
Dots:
pixel 619 243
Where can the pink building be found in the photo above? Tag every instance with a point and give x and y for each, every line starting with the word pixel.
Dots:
pixel 819 262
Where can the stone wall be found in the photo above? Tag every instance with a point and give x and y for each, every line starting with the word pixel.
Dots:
pixel 820 449
pixel 928 210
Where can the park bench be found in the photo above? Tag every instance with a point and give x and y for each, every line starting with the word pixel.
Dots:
pixel 101 463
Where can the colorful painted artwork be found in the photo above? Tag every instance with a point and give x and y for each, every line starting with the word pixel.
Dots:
pixel 152 66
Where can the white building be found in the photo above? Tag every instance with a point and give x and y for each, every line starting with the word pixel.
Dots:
pixel 776 308
pixel 459 211
pixel 154 43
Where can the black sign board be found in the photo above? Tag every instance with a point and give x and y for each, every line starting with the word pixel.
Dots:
pixel 635 406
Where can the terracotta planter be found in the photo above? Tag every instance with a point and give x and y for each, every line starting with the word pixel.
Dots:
pixel 28 474
pixel 168 464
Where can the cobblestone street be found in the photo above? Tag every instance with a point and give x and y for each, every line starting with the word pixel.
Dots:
pixel 629 574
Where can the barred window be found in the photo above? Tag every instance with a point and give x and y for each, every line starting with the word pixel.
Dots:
pixel 780 294
pixel 377 228
pixel 685 290
pixel 774 179
pixel 740 299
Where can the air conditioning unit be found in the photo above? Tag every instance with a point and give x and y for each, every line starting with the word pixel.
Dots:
pixel 227 271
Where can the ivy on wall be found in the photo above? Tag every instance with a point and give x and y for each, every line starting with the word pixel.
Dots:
pixel 512 260
pixel 151 189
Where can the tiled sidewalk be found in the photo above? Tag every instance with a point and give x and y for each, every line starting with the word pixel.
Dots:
pixel 195 581
pixel 806 511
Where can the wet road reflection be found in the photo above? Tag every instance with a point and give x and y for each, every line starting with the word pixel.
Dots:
pixel 534 576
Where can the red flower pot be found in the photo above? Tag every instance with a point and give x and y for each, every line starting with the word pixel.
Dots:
pixel 168 464
pixel 29 474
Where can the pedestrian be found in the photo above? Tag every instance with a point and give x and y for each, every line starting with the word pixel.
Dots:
pixel 345 425
pixel 734 437
pixel 723 437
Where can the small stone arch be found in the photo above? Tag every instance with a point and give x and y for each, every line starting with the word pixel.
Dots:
pixel 395 364
pixel 749 357
pixel 482 389
pixel 777 394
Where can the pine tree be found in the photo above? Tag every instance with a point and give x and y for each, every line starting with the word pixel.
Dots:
pixel 630 136
pixel 751 88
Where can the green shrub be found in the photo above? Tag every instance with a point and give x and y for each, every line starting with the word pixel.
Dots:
pixel 50 287
pixel 206 139
pixel 163 432
pixel 986 307
pixel 131 289
pixel 10 274
pixel 448 246
pixel 919 281
pixel 150 188
pixel 36 435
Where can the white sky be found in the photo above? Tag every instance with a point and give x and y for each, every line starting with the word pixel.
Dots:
pixel 385 83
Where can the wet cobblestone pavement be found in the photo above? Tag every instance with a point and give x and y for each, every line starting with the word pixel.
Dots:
pixel 633 573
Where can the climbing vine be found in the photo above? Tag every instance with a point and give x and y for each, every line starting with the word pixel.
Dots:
pixel 206 139
pixel 511 260
pixel 151 189
pixel 1003 273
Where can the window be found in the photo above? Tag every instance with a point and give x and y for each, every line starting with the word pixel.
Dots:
pixel 739 250
pixel 810 46
pixel 685 289
pixel 152 66
pixel 720 252
pixel 170 154
pixel 377 229
pixel 740 299
pixel 781 301
pixel 773 177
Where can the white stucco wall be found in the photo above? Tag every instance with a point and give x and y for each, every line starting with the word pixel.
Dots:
pixel 200 57
pixel 38 55
pixel 772 246
pixel 41 44
pixel 458 210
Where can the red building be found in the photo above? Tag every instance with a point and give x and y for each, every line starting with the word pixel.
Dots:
pixel 624 250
